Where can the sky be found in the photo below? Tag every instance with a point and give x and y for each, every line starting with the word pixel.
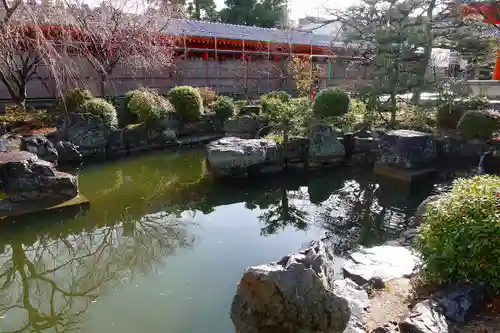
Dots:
pixel 302 8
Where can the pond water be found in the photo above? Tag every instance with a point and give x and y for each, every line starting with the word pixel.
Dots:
pixel 163 246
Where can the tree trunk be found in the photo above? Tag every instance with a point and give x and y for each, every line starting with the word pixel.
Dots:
pixel 104 79
pixel 22 96
pixel 427 52
pixel 197 9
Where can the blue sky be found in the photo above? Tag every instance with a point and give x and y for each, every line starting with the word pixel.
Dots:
pixel 301 8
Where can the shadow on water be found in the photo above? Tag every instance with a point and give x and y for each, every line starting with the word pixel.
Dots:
pixel 142 211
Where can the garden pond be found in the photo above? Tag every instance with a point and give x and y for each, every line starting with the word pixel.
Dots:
pixel 163 246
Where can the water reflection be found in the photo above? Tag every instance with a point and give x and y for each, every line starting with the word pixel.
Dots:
pixel 143 211
pixel 48 285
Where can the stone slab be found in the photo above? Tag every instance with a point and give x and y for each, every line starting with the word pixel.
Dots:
pixel 23 208
pixel 386 262
pixel 406 175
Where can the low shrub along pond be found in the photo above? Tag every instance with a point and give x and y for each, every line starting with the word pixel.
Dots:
pixel 163 244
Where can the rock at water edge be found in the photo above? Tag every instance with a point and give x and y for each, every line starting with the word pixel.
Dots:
pixel 229 154
pixel 426 317
pixel 293 295
pixel 407 149
pixel 386 262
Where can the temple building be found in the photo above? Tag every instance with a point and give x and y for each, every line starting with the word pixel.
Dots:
pixel 237 60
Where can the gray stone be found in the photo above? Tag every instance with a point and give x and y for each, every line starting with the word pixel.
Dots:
pixel 387 262
pixel 425 317
pixel 324 144
pixel 229 155
pixel 41 146
pixel 292 296
pixel 358 304
pixel 244 126
pixel 26 177
pixel 86 131
pixel 461 302
pixel 407 149
pixel 68 153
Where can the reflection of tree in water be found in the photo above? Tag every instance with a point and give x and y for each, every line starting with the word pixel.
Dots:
pixel 356 216
pixel 284 213
pixel 48 285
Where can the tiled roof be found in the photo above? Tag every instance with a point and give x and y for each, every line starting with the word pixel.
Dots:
pixel 239 32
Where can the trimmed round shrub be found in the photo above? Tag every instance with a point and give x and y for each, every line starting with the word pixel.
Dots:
pixel 479 124
pixel 331 102
pixel 147 105
pixel 449 114
pixel 75 97
pixel 459 238
pixel 208 96
pixel 101 108
pixel 224 107
pixel 187 102
pixel 281 95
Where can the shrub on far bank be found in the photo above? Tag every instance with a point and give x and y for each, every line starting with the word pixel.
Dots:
pixel 147 105
pixel 459 237
pixel 102 109
pixel 208 96
pixel 187 102
pixel 224 107
pixel 76 97
pixel 479 124
pixel 281 95
pixel 17 115
pixel 449 114
pixel 331 102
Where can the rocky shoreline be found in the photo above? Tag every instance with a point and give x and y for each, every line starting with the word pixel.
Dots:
pixel 299 294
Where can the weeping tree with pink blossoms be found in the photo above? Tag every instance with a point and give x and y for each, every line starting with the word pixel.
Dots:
pixel 130 34
pixel 26 45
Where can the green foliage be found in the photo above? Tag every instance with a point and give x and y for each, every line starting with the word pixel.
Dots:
pixel 260 13
pixel 16 115
pixel 147 105
pixel 101 108
pixel 479 124
pixel 187 102
pixel 351 120
pixel 75 97
pixel 459 237
pixel 413 117
pixel 224 107
pixel 449 114
pixel 208 96
pixel 249 110
pixel 281 95
pixel 331 102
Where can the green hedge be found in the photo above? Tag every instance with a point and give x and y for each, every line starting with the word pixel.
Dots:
pixel 102 109
pixel 224 107
pixel 479 124
pixel 187 102
pixel 75 97
pixel 331 102
pixel 147 105
pixel 459 238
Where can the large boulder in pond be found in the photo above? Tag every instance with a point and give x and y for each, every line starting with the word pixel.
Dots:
pixel 233 156
pixel 25 177
pixel 407 149
pixel 291 296
pixel 41 146
pixel 324 143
